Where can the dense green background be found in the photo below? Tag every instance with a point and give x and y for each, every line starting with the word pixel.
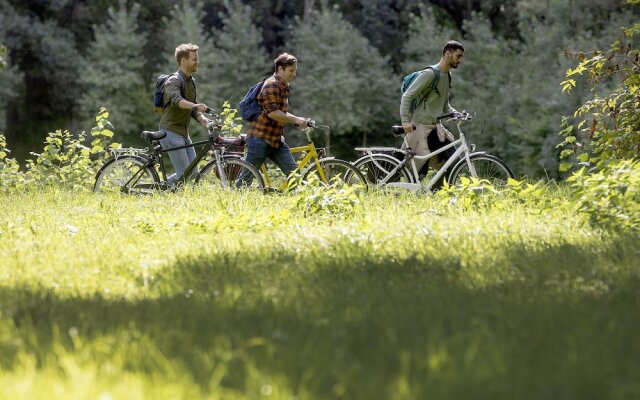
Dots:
pixel 67 58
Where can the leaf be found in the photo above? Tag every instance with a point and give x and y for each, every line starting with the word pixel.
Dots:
pixel 564 167
pixel 583 157
pixel 566 153
pixel 568 85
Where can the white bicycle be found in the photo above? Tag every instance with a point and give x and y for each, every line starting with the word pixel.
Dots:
pixel 396 168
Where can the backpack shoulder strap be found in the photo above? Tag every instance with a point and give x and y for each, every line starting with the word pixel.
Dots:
pixel 182 82
pixel 432 86
pixel 436 76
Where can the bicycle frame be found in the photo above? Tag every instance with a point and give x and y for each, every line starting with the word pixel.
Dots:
pixel 312 154
pixel 209 147
pixel 156 157
pixel 416 185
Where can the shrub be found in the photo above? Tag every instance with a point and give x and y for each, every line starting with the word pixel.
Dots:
pixel 65 161
pixel 313 197
pixel 610 197
pixel 608 125
pixel 10 175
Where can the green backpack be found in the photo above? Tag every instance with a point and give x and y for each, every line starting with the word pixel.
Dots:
pixel 408 80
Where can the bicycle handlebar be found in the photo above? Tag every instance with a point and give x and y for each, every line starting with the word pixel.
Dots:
pixel 463 116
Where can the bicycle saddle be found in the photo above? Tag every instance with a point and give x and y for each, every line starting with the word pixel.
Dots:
pixel 153 135
pixel 397 130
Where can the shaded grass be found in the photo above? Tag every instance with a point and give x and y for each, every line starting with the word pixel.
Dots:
pixel 205 295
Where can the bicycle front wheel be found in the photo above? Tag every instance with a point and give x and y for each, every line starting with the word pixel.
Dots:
pixel 377 169
pixel 236 174
pixel 127 174
pixel 487 167
pixel 337 169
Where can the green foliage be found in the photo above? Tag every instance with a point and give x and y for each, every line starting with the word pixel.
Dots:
pixel 240 58
pixel 102 135
pixel 184 25
pixel 3 56
pixel 10 82
pixel 218 294
pixel 231 121
pixel 607 126
pixel 610 197
pixel 344 82
pixel 66 160
pixel 510 75
pixel 313 197
pixel 10 175
pixel 113 73
pixel 480 195
pixel 424 43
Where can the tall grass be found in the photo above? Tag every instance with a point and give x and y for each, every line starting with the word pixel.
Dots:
pixel 206 294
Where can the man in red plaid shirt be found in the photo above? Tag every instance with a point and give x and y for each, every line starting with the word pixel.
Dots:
pixel 265 138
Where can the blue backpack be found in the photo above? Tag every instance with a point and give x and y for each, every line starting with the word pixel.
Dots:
pixel 408 80
pixel 158 95
pixel 248 106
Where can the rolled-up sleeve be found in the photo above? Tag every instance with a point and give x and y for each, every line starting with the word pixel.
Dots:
pixel 270 97
pixel 172 90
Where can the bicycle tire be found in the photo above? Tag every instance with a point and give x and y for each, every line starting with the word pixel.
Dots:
pixel 487 167
pixel 334 168
pixel 376 167
pixel 115 173
pixel 233 168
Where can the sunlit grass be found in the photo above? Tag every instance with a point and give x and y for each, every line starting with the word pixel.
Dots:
pixel 206 294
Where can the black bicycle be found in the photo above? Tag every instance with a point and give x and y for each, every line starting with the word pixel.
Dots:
pixel 132 170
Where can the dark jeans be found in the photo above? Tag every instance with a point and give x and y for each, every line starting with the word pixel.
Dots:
pixel 258 151
pixel 434 144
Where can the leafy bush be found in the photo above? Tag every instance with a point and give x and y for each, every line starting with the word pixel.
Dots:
pixel 479 194
pixel 65 161
pixel 313 197
pixel 10 175
pixel 610 197
pixel 607 126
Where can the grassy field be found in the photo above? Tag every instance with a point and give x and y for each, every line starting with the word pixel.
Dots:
pixel 215 295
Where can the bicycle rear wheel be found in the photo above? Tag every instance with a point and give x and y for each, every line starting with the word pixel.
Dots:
pixel 487 167
pixel 234 169
pixel 127 174
pixel 337 169
pixel 376 167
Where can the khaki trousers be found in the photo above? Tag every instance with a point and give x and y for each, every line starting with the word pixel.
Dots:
pixel 416 140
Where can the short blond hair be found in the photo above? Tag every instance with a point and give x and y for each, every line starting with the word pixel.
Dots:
pixel 184 49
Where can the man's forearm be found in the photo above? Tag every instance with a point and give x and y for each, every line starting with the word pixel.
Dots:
pixel 281 116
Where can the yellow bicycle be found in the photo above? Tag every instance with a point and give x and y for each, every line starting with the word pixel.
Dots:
pixel 312 161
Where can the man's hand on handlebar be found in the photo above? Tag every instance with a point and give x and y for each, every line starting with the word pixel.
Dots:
pixel 408 126
pixel 303 123
pixel 200 107
pixel 204 121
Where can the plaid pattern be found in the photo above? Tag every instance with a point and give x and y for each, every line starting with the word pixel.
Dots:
pixel 273 96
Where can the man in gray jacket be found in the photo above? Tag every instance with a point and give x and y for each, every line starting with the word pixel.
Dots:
pixel 430 102
pixel 181 107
